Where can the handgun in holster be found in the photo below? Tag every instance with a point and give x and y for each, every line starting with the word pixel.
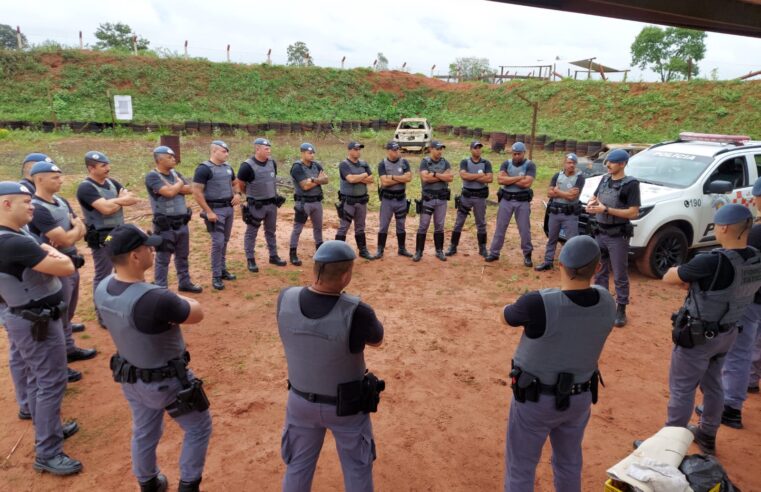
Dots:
pixel 457 202
pixel 245 213
pixel 563 390
pixel 409 204
pixel 279 200
pixel 340 209
pixel 209 224
pixel 418 206
pixel 192 397
pixel 92 237
pixel 40 322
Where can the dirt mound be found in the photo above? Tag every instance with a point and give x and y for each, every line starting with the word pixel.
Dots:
pixel 398 82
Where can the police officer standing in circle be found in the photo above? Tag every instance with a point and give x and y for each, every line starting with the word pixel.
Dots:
pixel 26 168
pixel 54 223
pixel 308 178
pixel 324 332
pixel 721 285
pixel 564 208
pixel 476 174
pixel 394 173
pixel 166 190
pixel 516 176
pixel 259 172
pixel 355 176
pixel 144 320
pixel 435 176
pixel 102 200
pixel 615 202
pixel 555 371
pixel 213 190
pixel 30 287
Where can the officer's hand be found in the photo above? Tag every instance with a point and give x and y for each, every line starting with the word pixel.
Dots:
pixel 211 216
pixel 51 251
pixel 552 192
pixel 236 200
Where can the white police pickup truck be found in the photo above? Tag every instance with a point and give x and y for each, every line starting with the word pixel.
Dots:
pixel 681 184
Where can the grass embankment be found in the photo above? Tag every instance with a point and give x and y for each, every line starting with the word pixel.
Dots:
pixel 72 85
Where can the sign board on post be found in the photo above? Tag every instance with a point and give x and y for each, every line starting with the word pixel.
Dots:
pixel 123 107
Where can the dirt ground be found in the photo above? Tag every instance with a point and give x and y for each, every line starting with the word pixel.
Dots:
pixel 445 358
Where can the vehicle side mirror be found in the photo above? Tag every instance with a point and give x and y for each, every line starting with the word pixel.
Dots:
pixel 718 187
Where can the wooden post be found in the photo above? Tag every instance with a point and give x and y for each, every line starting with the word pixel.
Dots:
pixel 404 67
pixel 375 64
pixel 81 41
pixel 269 56
pixel 589 71
pixel 432 69
pixel 134 44
pixel 186 49
pixel 343 62
pixel 18 37
pixel 228 53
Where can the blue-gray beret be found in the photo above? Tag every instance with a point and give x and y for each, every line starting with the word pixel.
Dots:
pixel 334 251
pixel 732 213
pixel 579 251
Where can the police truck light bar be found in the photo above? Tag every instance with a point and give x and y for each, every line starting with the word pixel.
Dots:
pixel 713 137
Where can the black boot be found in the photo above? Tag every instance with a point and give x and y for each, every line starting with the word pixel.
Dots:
pixel 294 257
pixel 527 260
pixel 419 246
pixel 381 245
pixel 252 265
pixel 401 238
pixel 226 275
pixel 482 244
pixel 731 417
pixel 277 261
pixel 217 283
pixel 706 443
pixel 620 315
pixel 438 244
pixel 547 265
pixel 156 484
pixel 361 240
pixel 340 237
pixel 317 246
pixel 193 486
pixel 453 245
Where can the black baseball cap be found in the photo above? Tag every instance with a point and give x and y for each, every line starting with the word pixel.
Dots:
pixel 392 145
pixel 355 145
pixel 435 144
pixel 128 237
pixel 475 143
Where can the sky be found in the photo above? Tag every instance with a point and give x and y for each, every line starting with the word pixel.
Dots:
pixel 421 33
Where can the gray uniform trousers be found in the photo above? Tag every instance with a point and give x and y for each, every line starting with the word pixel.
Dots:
pixel 529 425
pixel 522 211
pixel 755 362
pixel 220 236
pixel 478 205
pixel 17 367
pixel 615 256
pixel 101 259
pixel 180 238
pixel 147 402
pixel 356 213
pixel 392 208
pixel 435 209
pixel 311 211
pixel 46 380
pixel 304 433
pixel 700 365
pixel 268 215
pixel 737 364
pixel 70 290
pixel 569 223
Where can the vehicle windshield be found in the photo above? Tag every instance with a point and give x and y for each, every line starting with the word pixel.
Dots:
pixel 412 125
pixel 672 169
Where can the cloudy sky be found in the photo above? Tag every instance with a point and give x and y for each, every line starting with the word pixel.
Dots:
pixel 421 33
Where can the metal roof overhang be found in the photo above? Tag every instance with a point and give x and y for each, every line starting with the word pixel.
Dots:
pixel 739 17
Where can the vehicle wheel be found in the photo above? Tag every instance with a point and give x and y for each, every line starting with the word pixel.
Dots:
pixel 667 247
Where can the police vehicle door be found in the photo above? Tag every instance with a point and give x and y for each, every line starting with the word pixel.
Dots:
pixel 738 171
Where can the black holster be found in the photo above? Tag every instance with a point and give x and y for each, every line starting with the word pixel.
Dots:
pixel 192 397
pixel 457 202
pixel 299 215
pixel 594 385
pixel 95 238
pixel 209 225
pixel 525 385
pixel 340 209
pixel 77 260
pixel 279 201
pixel 563 391
pixel 407 210
pixel 245 213
pixel 40 322
pixel 359 396
pixel 418 206
pixel 688 332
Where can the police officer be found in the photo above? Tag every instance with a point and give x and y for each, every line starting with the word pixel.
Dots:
pixel 324 332
pixel 516 176
pixel 308 178
pixel 55 223
pixel 476 174
pixel 166 191
pixel 736 374
pixel 102 200
pixel 213 190
pixel 394 173
pixel 435 176
pixel 259 172
pixel 721 285
pixel 144 320
pixel 564 207
pixel 615 203
pixel 352 196
pixel 555 372
pixel 30 287
pixel 26 168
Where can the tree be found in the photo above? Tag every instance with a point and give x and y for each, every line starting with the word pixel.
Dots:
pixel 668 51
pixel 8 38
pixel 298 55
pixel 382 62
pixel 470 68
pixel 118 36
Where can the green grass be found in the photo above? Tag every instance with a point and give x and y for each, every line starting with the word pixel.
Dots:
pixel 73 85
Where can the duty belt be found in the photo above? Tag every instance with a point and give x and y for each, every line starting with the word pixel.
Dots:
pixel 550 389
pixel 220 203
pixel 564 208
pixel 308 198
pixel 617 230
pixel 353 200
pixel 518 196
pixel 54 312
pixel 392 195
pixel 314 397
pixel 471 193
pixel 166 222
pixel 124 372
pixel 436 194
pixel 260 203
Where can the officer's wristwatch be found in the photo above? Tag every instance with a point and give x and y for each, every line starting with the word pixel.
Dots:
pixel 311 179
